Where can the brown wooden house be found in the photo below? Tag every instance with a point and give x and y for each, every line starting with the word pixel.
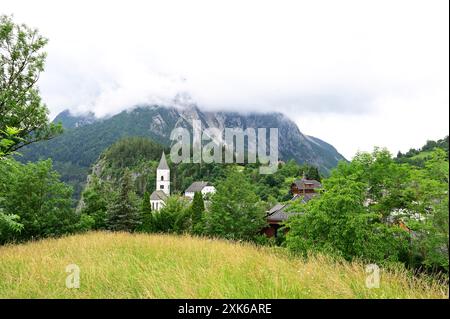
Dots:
pixel 305 186
pixel 303 190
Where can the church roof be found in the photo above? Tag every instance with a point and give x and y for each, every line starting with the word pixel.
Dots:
pixel 158 195
pixel 163 162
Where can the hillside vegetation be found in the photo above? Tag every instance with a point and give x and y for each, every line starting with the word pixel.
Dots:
pixel 419 156
pixel 123 265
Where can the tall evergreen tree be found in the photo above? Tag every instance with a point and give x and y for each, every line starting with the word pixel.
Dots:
pixel 197 210
pixel 312 172
pixel 145 206
pixel 146 213
pixel 123 214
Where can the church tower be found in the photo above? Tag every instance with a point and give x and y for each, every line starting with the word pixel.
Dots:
pixel 163 176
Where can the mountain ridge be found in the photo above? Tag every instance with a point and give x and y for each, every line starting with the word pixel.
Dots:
pixel 86 136
pixel 159 125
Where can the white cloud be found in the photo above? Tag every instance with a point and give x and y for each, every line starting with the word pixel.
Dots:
pixel 355 73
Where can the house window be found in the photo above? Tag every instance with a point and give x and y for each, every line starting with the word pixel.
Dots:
pixel 161 186
pixel 162 178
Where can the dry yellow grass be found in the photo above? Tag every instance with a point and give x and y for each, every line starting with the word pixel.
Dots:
pixel 122 265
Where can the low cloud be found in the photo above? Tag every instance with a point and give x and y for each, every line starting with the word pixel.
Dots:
pixel 311 60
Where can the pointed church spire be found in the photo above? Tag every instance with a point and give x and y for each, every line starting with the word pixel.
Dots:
pixel 163 162
pixel 163 176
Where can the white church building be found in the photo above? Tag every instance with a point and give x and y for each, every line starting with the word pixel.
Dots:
pixel 159 196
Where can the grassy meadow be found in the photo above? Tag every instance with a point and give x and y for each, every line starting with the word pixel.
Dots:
pixel 123 265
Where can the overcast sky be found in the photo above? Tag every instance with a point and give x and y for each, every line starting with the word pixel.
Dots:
pixel 354 73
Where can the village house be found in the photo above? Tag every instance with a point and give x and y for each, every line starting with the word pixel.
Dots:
pixel 203 187
pixel 305 186
pixel 302 190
